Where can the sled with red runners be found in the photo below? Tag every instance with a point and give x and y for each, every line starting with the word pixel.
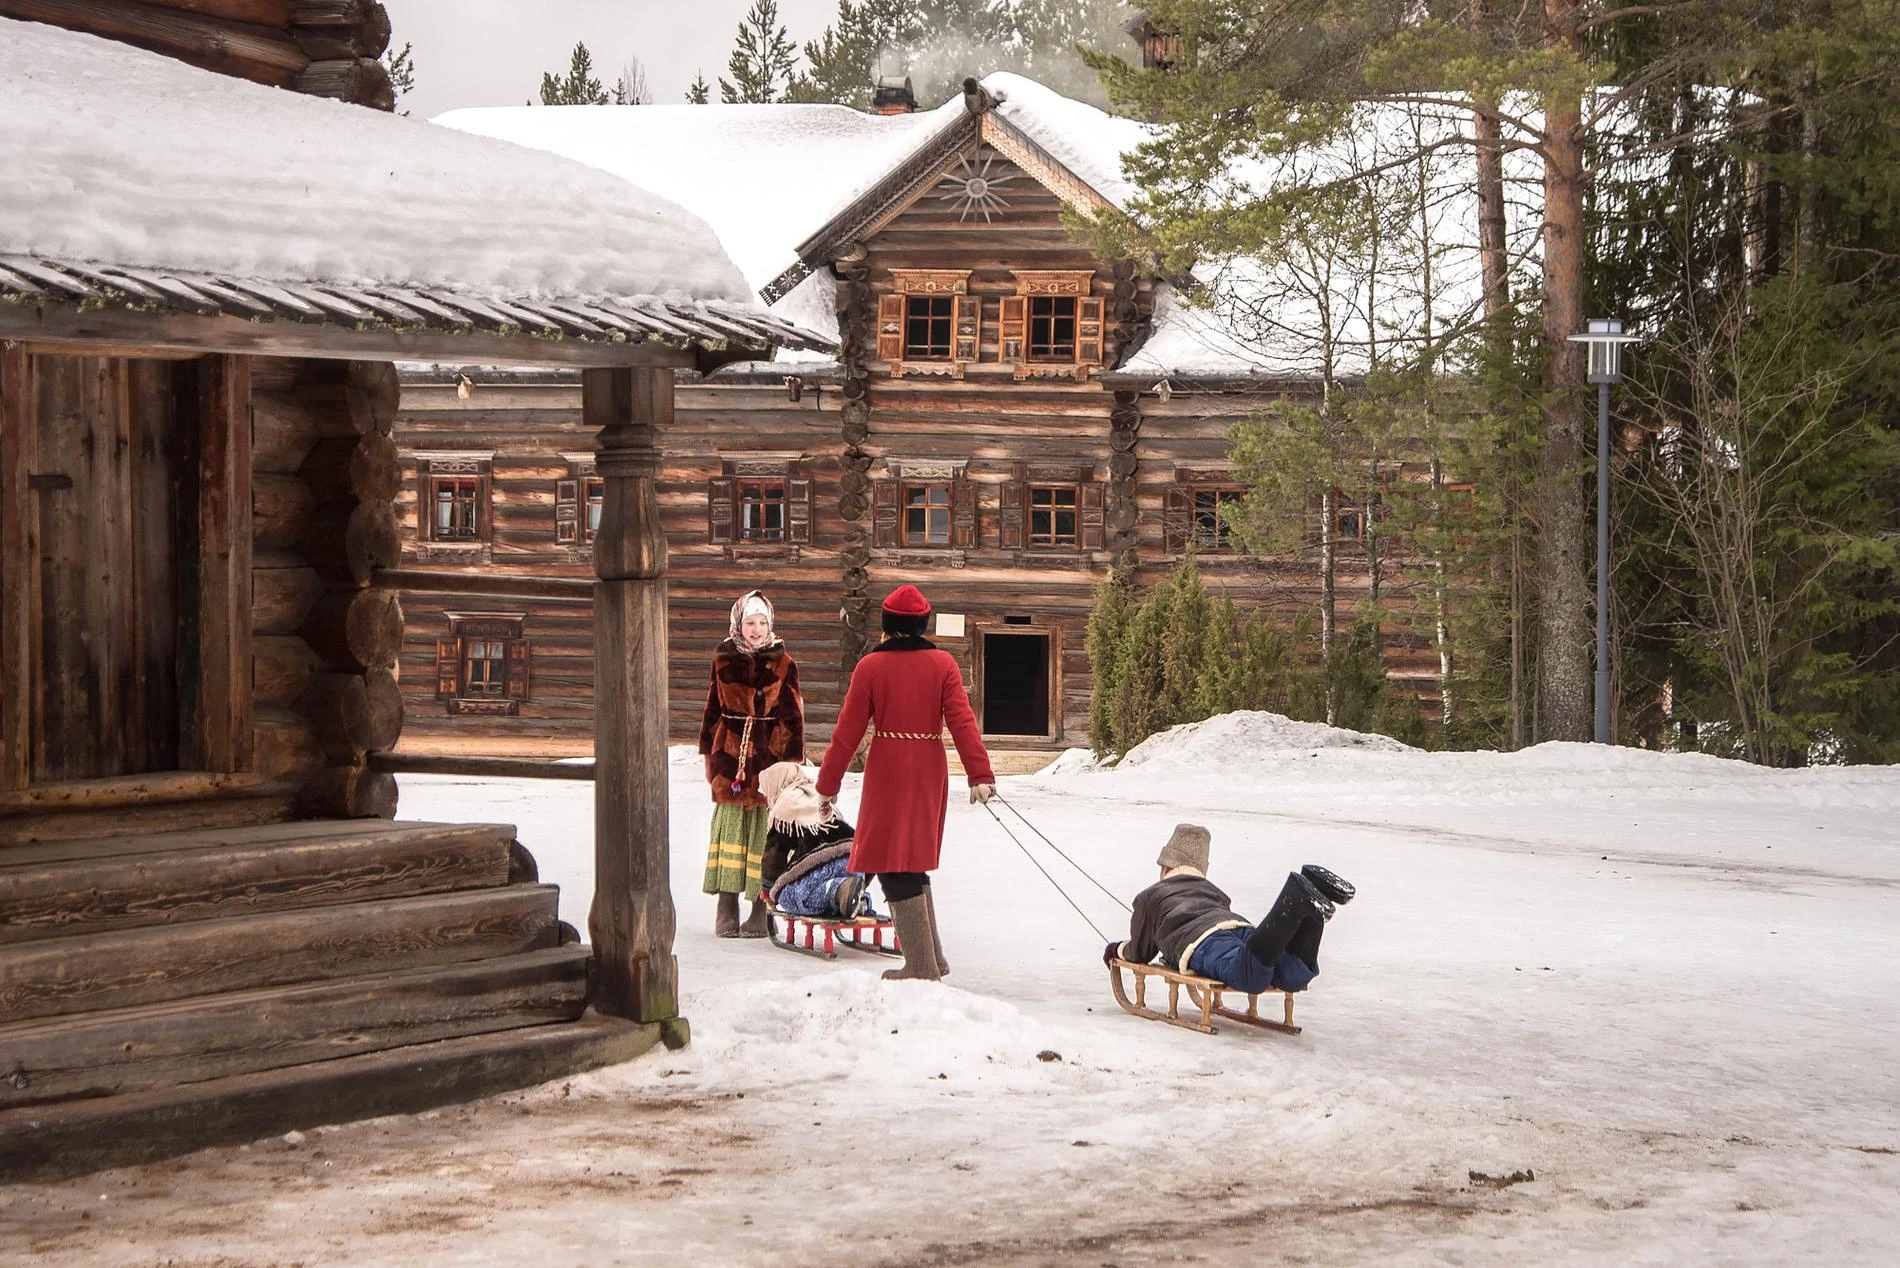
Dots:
pixel 823 935
pixel 1205 997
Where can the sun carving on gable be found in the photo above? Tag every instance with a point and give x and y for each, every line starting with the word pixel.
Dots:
pixel 973 189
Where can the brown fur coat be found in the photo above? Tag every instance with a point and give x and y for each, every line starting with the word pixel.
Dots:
pixel 763 686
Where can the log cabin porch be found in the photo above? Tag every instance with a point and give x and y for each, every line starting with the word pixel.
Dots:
pixel 209 930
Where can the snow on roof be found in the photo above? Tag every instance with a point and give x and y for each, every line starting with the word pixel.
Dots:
pixel 765 177
pixel 1088 141
pixel 811 305
pixel 125 158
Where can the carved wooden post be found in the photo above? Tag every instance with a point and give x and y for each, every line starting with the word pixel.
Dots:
pixel 632 921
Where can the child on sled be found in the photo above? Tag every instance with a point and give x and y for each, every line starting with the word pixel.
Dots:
pixel 805 870
pixel 1186 920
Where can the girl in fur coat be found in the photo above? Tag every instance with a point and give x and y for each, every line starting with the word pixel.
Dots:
pixel 754 717
pixel 807 849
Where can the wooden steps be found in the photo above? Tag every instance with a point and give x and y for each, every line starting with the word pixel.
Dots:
pixel 179 969
pixel 74 1137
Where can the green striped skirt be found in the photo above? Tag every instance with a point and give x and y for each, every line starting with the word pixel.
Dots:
pixel 737 851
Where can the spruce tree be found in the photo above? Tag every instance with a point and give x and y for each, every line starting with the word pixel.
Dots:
pixel 401 68
pixel 700 92
pixel 579 87
pixel 763 58
pixel 1108 629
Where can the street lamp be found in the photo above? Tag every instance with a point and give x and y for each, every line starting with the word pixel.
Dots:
pixel 1605 339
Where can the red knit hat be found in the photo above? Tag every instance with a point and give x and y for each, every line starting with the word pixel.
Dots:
pixel 907 601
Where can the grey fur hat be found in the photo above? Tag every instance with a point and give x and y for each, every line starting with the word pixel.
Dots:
pixel 1188 847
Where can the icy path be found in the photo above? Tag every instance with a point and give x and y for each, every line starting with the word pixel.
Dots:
pixel 1667 986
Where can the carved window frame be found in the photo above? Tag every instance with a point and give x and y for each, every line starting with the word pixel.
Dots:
pixel 578 499
pixel 893 325
pixel 725 509
pixel 477 467
pixel 454 656
pixel 1016 319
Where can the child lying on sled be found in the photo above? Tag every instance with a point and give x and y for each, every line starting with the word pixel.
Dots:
pixel 805 869
pixel 1187 920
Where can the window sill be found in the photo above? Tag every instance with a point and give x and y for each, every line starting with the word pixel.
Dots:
pixel 927 369
pixel 453 552
pixel 762 550
pixel 1053 557
pixel 921 556
pixel 484 708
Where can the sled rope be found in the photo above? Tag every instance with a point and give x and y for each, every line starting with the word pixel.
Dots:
pixel 1112 895
pixel 1045 872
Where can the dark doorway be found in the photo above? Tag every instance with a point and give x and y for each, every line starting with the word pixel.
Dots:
pixel 1016 684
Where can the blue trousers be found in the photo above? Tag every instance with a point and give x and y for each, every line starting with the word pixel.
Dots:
pixel 1223 956
pixel 815 893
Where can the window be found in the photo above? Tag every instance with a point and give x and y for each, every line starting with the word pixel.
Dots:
pixel 1349 520
pixel 926 515
pixel 457 501
pixel 483 666
pixel 761 510
pixel 1214 512
pixel 928 321
pixel 1052 328
pixel 1052 515
pixel 577 502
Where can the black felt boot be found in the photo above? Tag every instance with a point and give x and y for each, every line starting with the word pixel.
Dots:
pixel 1334 887
pixel 1298 902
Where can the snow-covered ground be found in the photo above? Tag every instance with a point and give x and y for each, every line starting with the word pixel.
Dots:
pixel 1664 985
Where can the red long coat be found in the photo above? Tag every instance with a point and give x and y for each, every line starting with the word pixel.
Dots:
pixel 904 688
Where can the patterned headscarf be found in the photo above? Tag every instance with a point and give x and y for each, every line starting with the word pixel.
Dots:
pixel 752 601
pixel 796 805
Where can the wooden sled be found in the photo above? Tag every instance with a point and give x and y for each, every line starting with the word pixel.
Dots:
pixel 784 927
pixel 1204 995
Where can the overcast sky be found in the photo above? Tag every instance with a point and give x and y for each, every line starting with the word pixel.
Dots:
pixel 492 52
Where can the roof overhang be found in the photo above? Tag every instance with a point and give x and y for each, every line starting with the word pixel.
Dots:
pixel 56 301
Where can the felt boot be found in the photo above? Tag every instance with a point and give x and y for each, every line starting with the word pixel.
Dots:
pixel 847 895
pixel 912 918
pixel 754 926
pixel 1334 887
pixel 936 938
pixel 726 917
pixel 1298 902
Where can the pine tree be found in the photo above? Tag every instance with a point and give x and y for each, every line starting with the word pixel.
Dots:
pixel 579 87
pixel 763 58
pixel 699 93
pixel 402 70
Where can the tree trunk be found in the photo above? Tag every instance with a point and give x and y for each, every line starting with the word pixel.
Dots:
pixel 1564 593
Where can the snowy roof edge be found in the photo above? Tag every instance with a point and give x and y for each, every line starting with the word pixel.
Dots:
pixel 40 281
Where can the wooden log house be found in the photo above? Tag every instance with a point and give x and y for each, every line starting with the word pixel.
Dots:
pixel 209 928
pixel 990 433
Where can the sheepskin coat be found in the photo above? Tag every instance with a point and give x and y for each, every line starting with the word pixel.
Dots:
pixel 761 686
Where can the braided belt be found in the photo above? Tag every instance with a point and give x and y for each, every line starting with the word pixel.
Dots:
pixel 877 734
pixel 745 744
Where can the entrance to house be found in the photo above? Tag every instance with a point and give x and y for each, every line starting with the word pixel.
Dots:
pixel 1016 683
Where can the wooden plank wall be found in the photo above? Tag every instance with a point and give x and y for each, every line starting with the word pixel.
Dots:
pixel 532 424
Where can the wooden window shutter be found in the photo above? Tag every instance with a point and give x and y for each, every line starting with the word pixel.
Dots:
pixel 963 513
pixel 567 518
pixel 519 665
pixel 484 501
pixel 722 496
pixel 1177 519
pixel 1012 516
pixel 1013 328
pixel 425 503
pixel 890 328
pixel 1088 332
pixel 886 512
pixel 448 668
pixel 1092 536
pixel 968 328
pixel 798 509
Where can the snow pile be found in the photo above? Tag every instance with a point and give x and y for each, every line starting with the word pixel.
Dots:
pixel 122 157
pixel 1073 761
pixel 765 177
pixel 1223 741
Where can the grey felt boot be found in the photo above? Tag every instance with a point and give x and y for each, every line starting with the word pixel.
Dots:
pixel 726 917
pixel 755 926
pixel 912 918
pixel 936 936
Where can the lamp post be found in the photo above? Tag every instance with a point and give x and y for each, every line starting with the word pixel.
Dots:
pixel 1605 339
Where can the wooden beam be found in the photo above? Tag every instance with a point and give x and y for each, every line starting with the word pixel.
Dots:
pixel 486 583
pixel 223 708
pixel 18 565
pixel 485 767
pixel 246 50
pixel 127 790
pixel 273 13
pixel 632 920
pixel 187 332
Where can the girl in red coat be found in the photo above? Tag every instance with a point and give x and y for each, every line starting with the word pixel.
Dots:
pixel 906 691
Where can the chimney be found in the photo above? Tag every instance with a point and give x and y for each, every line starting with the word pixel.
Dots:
pixel 1160 49
pixel 893 96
